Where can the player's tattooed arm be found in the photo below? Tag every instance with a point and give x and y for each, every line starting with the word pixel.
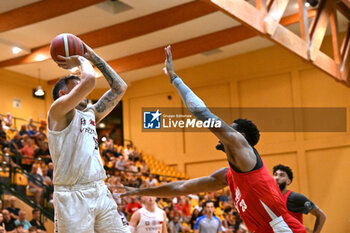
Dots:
pixel 118 87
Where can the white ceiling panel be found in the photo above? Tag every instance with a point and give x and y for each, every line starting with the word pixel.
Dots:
pixel 7 5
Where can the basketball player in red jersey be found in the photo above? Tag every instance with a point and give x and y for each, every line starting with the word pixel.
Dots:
pixel 254 191
pixel 297 204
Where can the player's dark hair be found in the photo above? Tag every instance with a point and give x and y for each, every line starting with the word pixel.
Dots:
pixel 61 84
pixel 286 169
pixel 208 201
pixel 249 129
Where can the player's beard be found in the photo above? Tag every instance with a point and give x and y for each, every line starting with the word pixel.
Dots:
pixel 282 186
pixel 83 104
pixel 220 146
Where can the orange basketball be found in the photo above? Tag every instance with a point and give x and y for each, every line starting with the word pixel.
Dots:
pixel 66 45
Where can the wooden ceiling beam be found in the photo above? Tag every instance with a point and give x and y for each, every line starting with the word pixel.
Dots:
pixel 273 17
pixel 187 48
pixel 303 21
pixel 48 9
pixel 127 30
pixel 319 27
pixel 335 36
pixel 308 50
pixel 345 55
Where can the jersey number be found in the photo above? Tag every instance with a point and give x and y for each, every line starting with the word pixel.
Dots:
pixel 243 205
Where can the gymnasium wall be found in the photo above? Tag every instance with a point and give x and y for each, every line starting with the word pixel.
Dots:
pixel 18 86
pixel 271 77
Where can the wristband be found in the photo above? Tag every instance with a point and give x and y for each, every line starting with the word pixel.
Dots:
pixel 174 77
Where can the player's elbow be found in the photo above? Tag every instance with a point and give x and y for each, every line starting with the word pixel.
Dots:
pixel 88 82
pixel 123 87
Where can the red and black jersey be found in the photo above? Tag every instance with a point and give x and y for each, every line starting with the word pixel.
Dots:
pixel 297 204
pixel 259 201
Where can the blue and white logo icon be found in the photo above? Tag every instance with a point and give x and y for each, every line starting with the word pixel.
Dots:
pixel 151 120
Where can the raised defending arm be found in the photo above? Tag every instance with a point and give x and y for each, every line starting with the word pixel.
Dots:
pixel 239 146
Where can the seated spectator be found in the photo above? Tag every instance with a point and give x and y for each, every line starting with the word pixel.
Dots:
pixel 20 229
pixel 110 154
pixel 2 229
pixel 120 164
pixel 132 167
pixel 194 216
pixel 10 133
pixel 8 221
pixel 34 230
pixel 22 220
pixel 224 197
pixel 151 181
pixel 25 139
pixel 43 152
pixel 32 131
pixel 23 130
pixel 14 211
pixel 8 121
pixel 40 137
pixel 127 151
pixel 135 155
pixel 228 222
pixel 186 207
pixel 42 133
pixel 50 170
pixel 36 221
pixel 30 123
pixel 133 205
pixel 131 182
pixel 47 179
pixel 28 152
pixel 138 180
pixel 3 138
pixel 5 158
pixel 175 225
pixel 120 151
pixel 15 148
pixel 43 124
pixel 35 183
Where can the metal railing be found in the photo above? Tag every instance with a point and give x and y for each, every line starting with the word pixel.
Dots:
pixel 10 185
pixel 18 119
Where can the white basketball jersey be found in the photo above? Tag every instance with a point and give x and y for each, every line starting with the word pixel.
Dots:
pixel 150 222
pixel 75 152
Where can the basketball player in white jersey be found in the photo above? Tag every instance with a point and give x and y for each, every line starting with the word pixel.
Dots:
pixel 149 219
pixel 83 203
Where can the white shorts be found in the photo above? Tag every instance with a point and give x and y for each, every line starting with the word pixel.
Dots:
pixel 87 208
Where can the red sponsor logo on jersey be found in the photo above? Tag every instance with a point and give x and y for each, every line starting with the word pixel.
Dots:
pixel 92 122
